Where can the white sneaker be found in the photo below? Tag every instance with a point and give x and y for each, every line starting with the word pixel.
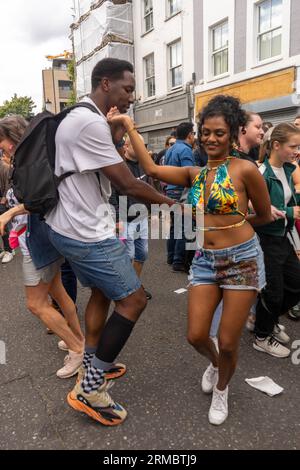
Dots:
pixel 218 411
pixel 280 334
pixel 62 345
pixel 72 363
pixel 271 346
pixel 2 253
pixel 209 379
pixel 7 257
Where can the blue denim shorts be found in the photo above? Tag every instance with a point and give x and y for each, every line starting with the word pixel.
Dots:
pixel 104 265
pixel 239 267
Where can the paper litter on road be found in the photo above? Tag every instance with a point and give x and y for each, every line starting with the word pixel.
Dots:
pixel 266 385
pixel 180 291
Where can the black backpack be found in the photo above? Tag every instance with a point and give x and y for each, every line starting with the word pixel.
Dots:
pixel 33 179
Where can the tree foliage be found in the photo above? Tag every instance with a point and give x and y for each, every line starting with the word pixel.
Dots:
pixel 72 77
pixel 22 105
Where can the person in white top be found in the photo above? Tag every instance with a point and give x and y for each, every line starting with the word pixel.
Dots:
pixel 82 228
pixel 39 283
pixel 282 265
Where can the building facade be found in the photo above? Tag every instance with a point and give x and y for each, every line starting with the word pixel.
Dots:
pixel 250 49
pixel 164 67
pixel 101 28
pixel 57 86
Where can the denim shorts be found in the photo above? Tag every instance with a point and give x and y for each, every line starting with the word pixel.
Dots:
pixel 136 240
pixel 104 265
pixel 239 267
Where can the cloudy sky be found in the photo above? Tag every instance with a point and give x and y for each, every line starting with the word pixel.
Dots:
pixel 30 30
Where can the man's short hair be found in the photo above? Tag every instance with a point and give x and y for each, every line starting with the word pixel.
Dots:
pixel 184 129
pixel 110 68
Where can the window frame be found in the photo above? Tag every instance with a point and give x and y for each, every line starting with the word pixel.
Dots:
pixel 268 31
pixel 151 77
pixel 168 9
pixel 147 15
pixel 222 49
pixel 172 68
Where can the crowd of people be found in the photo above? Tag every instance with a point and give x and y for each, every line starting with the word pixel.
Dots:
pixel 240 177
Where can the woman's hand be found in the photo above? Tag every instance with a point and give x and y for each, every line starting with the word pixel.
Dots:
pixel 277 214
pixel 120 123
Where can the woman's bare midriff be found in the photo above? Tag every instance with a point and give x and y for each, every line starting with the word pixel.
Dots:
pixel 216 240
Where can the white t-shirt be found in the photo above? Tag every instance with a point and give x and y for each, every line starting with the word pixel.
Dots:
pixel 84 145
pixel 280 174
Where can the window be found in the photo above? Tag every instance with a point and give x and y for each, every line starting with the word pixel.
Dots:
pixel 65 85
pixel 175 64
pixel 173 6
pixel 269 29
pixel 148 15
pixel 149 76
pixel 220 49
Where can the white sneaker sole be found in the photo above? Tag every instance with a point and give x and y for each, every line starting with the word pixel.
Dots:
pixel 217 423
pixel 258 348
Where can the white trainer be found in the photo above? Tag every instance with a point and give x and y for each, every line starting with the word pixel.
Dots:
pixel 72 363
pixel 271 346
pixel 218 411
pixel 7 257
pixel 62 345
pixel 280 334
pixel 2 253
pixel 209 378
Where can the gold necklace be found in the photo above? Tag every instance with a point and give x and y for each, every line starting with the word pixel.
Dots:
pixel 213 161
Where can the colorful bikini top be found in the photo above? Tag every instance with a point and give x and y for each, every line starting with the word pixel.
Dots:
pixel 222 200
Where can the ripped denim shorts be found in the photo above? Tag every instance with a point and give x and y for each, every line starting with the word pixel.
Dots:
pixel 239 267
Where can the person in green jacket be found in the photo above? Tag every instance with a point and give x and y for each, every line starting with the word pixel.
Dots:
pixel 282 265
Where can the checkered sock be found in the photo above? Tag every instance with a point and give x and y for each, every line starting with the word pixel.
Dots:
pixel 89 353
pixel 93 379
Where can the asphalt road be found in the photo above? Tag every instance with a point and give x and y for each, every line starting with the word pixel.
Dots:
pixel 161 391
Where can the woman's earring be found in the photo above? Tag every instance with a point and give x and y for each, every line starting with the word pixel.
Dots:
pixel 244 131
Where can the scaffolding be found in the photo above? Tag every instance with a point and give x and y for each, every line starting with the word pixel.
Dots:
pixel 102 28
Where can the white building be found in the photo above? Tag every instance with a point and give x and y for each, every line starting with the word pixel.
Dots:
pixel 164 66
pixel 251 49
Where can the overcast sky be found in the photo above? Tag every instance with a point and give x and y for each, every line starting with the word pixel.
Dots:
pixel 30 30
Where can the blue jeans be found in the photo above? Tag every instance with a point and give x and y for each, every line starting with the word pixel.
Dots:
pixel 176 241
pixel 104 265
pixel 136 240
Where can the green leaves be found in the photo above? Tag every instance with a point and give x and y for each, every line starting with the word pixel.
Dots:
pixel 21 105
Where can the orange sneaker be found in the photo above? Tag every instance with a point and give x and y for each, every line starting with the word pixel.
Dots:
pixel 98 404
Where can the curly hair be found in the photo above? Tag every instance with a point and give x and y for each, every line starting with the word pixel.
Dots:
pixel 230 109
